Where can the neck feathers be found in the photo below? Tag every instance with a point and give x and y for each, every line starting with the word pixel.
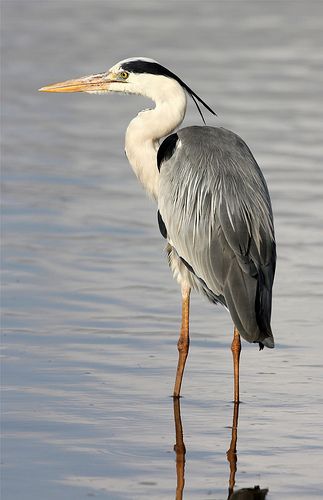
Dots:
pixel 145 131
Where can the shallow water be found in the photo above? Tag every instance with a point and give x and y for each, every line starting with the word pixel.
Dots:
pixel 90 311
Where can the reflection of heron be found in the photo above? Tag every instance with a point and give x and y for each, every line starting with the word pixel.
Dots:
pixel 179 449
pixel 213 204
pixel 232 451
pixel 254 493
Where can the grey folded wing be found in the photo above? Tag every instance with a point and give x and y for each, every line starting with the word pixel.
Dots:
pixel 214 204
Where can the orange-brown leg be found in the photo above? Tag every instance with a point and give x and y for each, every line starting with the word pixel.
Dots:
pixel 236 349
pixel 183 341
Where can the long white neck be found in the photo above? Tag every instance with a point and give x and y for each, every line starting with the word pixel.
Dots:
pixel 149 126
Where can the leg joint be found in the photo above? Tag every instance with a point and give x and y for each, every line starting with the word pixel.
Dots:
pixel 236 347
pixel 183 344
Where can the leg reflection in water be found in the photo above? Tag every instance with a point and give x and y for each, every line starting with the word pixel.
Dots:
pixel 232 451
pixel 179 449
pixel 244 493
pixel 254 493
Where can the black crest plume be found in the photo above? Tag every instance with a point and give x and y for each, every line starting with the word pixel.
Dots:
pixel 154 68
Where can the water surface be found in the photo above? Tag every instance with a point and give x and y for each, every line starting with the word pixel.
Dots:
pixel 90 311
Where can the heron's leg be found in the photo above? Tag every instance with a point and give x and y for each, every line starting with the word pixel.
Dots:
pixel 236 349
pixel 183 341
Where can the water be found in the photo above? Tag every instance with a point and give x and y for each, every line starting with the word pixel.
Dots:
pixel 90 311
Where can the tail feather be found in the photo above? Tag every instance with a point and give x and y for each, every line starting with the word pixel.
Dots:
pixel 249 303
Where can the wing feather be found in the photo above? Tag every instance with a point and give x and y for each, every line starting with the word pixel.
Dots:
pixel 215 205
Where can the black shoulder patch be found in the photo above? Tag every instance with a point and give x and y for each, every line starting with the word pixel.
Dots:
pixel 166 149
pixel 161 224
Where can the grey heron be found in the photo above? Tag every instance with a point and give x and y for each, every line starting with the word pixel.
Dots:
pixel 214 208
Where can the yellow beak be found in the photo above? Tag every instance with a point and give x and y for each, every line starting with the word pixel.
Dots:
pixel 92 83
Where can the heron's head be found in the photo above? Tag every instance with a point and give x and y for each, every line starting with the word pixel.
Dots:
pixel 137 75
pixel 122 77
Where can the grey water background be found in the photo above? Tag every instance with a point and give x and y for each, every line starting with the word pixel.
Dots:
pixel 90 311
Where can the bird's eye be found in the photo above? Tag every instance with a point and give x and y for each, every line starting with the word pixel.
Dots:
pixel 124 75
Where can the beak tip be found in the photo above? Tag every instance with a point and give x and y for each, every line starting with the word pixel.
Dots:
pixel 52 88
pixel 45 89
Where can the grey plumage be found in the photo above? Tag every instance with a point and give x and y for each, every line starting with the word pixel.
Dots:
pixel 213 204
pixel 216 209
